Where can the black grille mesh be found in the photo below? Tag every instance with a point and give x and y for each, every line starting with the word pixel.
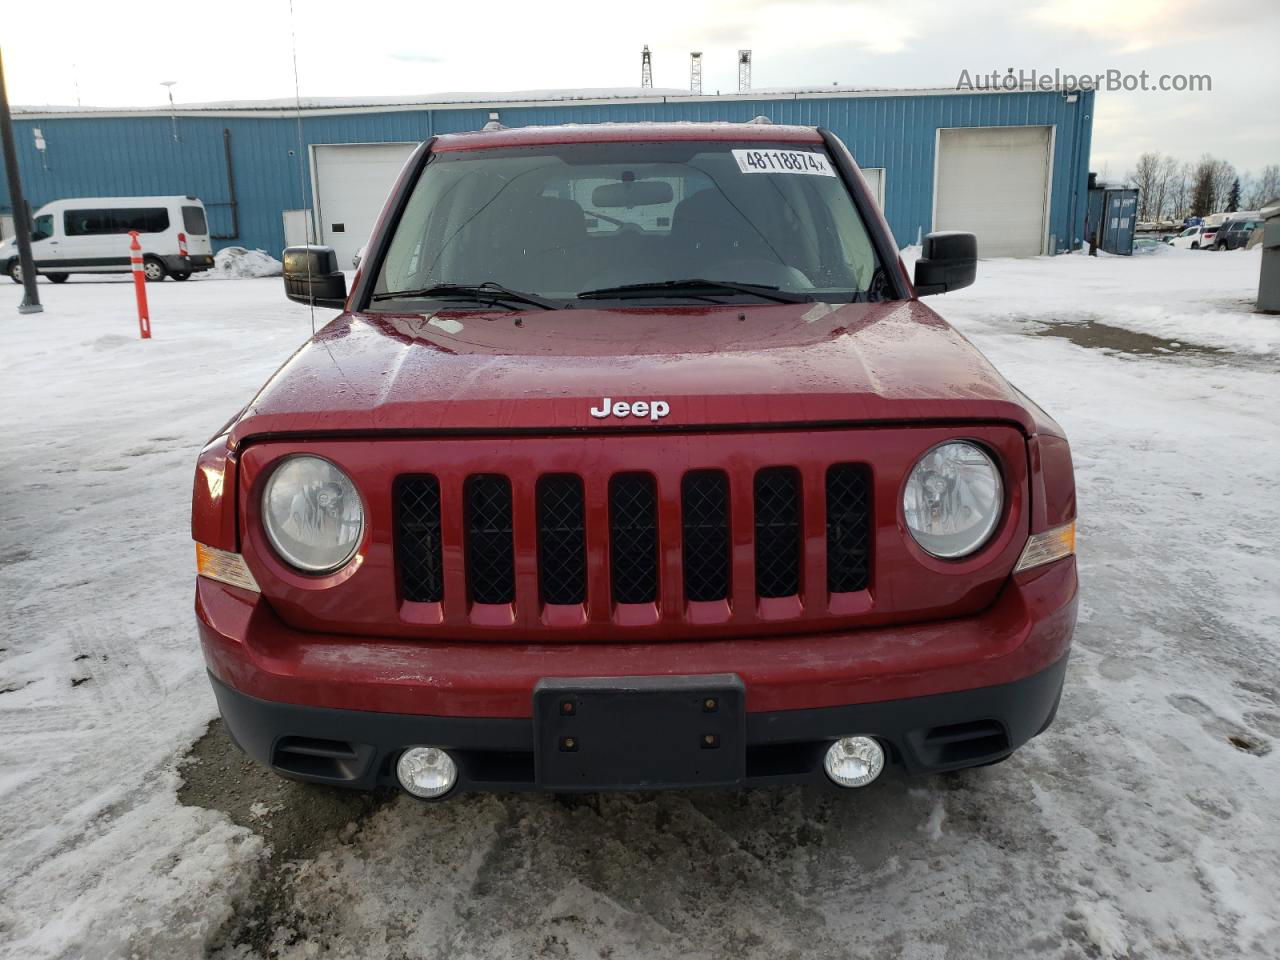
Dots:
pixel 848 527
pixel 562 541
pixel 704 497
pixel 633 538
pixel 490 552
pixel 777 501
pixel 418 540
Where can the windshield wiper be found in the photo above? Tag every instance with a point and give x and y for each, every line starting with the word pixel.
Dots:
pixel 488 292
pixel 693 288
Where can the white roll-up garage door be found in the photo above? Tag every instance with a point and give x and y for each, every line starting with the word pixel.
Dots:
pixel 994 182
pixel 352 181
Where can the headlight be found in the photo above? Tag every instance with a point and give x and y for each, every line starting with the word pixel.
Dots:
pixel 953 498
pixel 312 514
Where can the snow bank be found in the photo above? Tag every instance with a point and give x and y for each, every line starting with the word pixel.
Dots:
pixel 237 263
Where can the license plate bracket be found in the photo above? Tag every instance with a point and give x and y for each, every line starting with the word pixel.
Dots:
pixel 600 733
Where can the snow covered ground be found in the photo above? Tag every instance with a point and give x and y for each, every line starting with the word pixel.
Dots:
pixel 1143 824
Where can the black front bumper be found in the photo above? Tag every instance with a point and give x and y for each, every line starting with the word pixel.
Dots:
pixel 930 734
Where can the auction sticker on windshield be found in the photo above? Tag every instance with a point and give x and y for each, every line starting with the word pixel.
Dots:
pixel 783 161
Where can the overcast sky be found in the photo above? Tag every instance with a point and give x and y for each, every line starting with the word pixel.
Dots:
pixel 96 53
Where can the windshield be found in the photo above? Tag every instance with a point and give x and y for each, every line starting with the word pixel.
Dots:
pixel 557 221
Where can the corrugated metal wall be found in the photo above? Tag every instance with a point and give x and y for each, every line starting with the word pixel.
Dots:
pixel 134 155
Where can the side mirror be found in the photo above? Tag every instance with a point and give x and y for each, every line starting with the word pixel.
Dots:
pixel 948 261
pixel 311 276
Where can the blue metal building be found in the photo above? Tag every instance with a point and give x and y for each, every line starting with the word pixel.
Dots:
pixel 1012 166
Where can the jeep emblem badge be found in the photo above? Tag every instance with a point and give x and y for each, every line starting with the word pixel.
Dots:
pixel 653 409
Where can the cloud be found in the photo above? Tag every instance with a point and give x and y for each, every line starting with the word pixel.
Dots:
pixel 414 56
pixel 1150 24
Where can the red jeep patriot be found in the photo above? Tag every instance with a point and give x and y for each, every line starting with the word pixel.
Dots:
pixel 634 461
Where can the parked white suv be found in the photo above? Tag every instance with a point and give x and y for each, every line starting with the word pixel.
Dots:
pixel 91 235
pixel 1193 238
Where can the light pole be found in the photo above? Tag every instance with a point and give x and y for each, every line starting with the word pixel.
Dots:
pixel 21 216
pixel 173 114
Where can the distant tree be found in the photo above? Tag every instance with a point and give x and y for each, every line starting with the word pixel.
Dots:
pixel 1154 177
pixel 1202 187
pixel 1145 177
pixel 1224 175
pixel 1180 192
pixel 1233 196
pixel 1263 188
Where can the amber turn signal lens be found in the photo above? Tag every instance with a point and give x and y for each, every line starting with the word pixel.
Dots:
pixel 224 567
pixel 1048 546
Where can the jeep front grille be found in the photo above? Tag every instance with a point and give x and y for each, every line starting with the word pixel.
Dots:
pixel 704 514
pixel 565 541
pixel 562 539
pixel 777 532
pixel 418 539
pixel 490 553
pixel 633 538
pixel 848 527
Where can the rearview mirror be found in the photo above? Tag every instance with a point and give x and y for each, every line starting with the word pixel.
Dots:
pixel 311 276
pixel 632 193
pixel 948 261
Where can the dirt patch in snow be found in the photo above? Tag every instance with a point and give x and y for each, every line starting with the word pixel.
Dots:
pixel 1101 336
pixel 297 821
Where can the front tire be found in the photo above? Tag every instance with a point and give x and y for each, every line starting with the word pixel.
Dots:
pixel 57 277
pixel 181 275
pixel 154 271
pixel 15 271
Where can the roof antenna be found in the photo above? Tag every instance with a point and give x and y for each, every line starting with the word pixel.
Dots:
pixel 695 73
pixel 308 226
pixel 646 68
pixel 744 71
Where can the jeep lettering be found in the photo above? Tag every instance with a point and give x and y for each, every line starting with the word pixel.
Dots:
pixel 654 410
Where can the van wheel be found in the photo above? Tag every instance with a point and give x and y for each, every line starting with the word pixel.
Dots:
pixel 57 277
pixel 181 275
pixel 154 270
pixel 1194 245
pixel 15 271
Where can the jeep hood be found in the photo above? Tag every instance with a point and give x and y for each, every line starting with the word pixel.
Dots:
pixel 715 366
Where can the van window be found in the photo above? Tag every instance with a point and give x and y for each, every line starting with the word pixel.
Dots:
pixel 42 229
pixel 193 221
pixel 89 223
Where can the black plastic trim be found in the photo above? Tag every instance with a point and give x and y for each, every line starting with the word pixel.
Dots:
pixel 497 753
pixel 882 240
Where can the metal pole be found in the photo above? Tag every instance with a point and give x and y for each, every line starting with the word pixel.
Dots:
pixel 21 215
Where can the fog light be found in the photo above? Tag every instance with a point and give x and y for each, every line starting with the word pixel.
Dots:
pixel 426 772
pixel 854 761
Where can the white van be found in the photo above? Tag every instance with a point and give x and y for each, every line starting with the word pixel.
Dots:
pixel 91 235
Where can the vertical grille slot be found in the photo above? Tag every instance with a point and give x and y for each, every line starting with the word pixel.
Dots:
pixel 848 528
pixel 490 552
pixel 704 499
pixel 777 503
pixel 418 540
pixel 633 538
pixel 562 540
